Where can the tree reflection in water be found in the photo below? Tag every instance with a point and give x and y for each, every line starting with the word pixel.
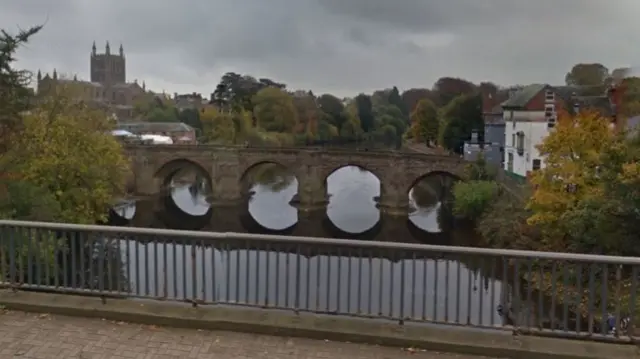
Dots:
pixel 272 176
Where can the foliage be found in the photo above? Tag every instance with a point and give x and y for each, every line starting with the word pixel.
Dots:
pixel 365 112
pixel 449 88
pixel 191 117
pixel 411 97
pixel 573 159
pixel 592 77
pixel 425 123
pixel 155 108
pixel 472 198
pixel 66 149
pixel 504 225
pixel 15 96
pixel 479 170
pixel 235 91
pixel 460 118
pixel 274 110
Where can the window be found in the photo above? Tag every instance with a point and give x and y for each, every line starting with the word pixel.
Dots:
pixel 520 143
pixel 513 140
pixel 536 164
pixel 549 95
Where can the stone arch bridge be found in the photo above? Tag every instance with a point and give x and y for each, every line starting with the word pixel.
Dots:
pixel 225 166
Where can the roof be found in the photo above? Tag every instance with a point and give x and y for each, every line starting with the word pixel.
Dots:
pixel 524 96
pixel 601 104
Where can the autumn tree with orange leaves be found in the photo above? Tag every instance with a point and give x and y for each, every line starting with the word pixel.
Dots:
pixel 586 197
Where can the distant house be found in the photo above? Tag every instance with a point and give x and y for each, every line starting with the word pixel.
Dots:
pixel 492 147
pixel 179 132
pixel 531 114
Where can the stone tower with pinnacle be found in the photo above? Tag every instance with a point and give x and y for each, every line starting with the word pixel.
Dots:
pixel 108 68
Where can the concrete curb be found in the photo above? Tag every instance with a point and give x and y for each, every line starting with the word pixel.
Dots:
pixel 271 322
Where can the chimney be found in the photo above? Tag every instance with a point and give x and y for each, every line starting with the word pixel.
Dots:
pixel 474 136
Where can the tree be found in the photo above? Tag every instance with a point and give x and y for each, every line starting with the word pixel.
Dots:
pixel 308 115
pixel 396 100
pixel 217 127
pixel 460 118
pixel 365 112
pixel 472 198
pixel 66 150
pixel 236 91
pixel 425 123
pixel 573 155
pixel 411 97
pixel 448 88
pixel 156 108
pixel 274 110
pixel 15 96
pixel 333 108
pixel 191 117
pixel 592 74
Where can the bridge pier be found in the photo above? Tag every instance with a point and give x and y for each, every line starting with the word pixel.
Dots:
pixel 312 190
pixel 393 200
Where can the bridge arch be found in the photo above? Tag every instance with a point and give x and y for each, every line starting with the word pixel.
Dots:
pixel 333 169
pixel 437 173
pixel 168 170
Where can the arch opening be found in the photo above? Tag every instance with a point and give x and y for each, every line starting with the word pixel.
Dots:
pixel 269 188
pixel 188 185
pixel 431 201
pixel 352 191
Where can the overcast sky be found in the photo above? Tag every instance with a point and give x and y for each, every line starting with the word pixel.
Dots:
pixel 339 46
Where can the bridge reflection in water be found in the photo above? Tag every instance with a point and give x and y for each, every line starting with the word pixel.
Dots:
pixel 318 279
pixel 423 285
pixel 330 280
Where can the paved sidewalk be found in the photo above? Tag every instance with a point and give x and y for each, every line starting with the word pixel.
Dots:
pixel 28 335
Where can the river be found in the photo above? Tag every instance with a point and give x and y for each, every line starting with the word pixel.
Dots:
pixel 428 287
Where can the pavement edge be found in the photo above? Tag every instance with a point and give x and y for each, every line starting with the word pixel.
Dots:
pixel 334 328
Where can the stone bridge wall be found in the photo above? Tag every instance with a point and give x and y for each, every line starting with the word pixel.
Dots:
pixel 153 166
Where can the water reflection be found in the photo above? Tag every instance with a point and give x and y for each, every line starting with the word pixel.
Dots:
pixel 352 191
pixel 352 207
pixel 440 290
pixel 271 188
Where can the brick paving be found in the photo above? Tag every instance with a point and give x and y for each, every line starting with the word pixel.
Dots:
pixel 42 336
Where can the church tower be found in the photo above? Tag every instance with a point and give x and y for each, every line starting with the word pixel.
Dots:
pixel 108 68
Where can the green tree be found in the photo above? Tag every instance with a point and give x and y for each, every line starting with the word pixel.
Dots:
pixel 448 88
pixel 395 99
pixel 15 96
pixel 593 76
pixel 365 112
pixel 473 198
pixel 191 117
pixel 66 149
pixel 333 108
pixel 460 118
pixel 425 123
pixel 275 111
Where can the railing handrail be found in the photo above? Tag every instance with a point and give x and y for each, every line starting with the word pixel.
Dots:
pixel 592 258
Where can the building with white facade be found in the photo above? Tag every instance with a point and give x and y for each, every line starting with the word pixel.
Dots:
pixel 531 113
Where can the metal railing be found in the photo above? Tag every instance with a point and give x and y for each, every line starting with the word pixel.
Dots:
pixel 558 294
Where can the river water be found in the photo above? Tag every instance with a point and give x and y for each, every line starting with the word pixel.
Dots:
pixel 444 290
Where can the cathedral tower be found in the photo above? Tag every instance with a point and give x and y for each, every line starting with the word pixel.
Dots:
pixel 108 68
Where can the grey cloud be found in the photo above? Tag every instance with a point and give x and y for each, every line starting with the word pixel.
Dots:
pixel 331 45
